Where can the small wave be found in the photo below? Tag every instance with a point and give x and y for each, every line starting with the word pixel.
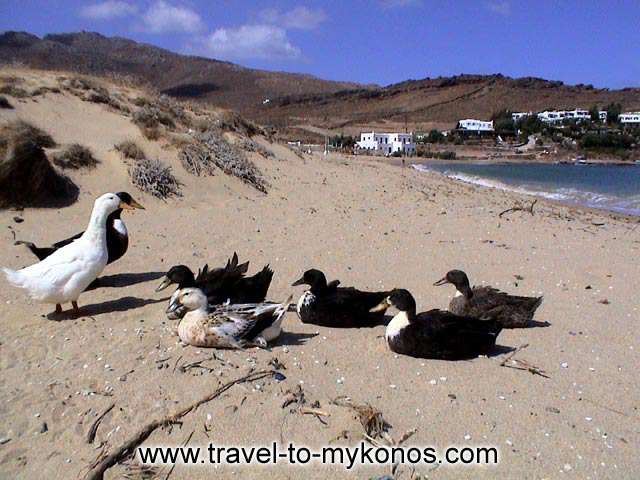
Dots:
pixel 625 205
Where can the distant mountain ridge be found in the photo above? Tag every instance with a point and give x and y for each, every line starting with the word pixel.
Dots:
pixel 298 98
pixel 222 83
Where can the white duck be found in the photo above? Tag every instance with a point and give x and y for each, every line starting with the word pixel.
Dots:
pixel 227 326
pixel 66 273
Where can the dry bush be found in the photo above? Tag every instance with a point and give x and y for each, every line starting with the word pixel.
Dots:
pixel 210 151
pixel 130 149
pixel 140 102
pixel 154 177
pixel 250 145
pixel 26 132
pixel 233 122
pixel 151 116
pixel 43 90
pixel 14 91
pixel 4 103
pixel 27 178
pixel 75 156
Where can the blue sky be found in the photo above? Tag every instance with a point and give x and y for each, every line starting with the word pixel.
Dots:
pixel 377 41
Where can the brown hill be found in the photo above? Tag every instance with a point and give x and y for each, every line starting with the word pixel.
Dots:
pixel 303 100
pixel 441 100
pixel 221 83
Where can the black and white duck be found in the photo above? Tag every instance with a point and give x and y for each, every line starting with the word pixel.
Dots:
pixel 511 311
pixel 329 305
pixel 226 326
pixel 117 234
pixel 220 285
pixel 66 273
pixel 435 334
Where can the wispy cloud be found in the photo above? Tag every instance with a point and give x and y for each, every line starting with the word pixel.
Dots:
pixel 501 7
pixel 247 42
pixel 108 10
pixel 164 17
pixel 301 18
pixel 399 3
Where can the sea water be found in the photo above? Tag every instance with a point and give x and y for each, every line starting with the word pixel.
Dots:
pixel 609 187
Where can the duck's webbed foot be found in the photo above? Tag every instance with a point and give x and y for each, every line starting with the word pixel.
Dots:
pixel 58 308
pixel 76 310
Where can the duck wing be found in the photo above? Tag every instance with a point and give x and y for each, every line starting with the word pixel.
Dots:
pixel 219 284
pixel 511 310
pixel 231 325
pixel 347 307
pixel 442 334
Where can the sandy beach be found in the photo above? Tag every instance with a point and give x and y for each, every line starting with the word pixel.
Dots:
pixel 369 224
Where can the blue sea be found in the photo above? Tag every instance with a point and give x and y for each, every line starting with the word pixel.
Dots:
pixel 608 187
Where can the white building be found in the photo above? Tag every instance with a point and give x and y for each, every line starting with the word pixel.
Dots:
pixel 602 114
pixel 515 116
pixel 388 143
pixel 630 119
pixel 471 125
pixel 557 116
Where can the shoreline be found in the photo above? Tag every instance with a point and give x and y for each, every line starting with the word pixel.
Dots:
pixel 631 218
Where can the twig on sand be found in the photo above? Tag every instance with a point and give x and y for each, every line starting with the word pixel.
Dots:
pixel 519 208
pixel 91 435
pixel 518 364
pixel 128 448
pixel 186 442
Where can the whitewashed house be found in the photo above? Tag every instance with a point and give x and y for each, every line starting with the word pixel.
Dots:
pixel 552 116
pixel 578 114
pixel 478 126
pixel 388 143
pixel 602 115
pixel 629 119
pixel 515 116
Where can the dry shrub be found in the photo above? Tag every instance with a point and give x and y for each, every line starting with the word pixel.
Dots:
pixel 4 103
pixel 140 102
pixel 26 132
pixel 27 178
pixel 43 90
pixel 75 156
pixel 233 122
pixel 250 145
pixel 151 117
pixel 130 149
pixel 154 177
pixel 14 91
pixel 210 151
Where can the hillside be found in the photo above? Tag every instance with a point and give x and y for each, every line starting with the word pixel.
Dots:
pixel 421 103
pixel 190 78
pixel 303 100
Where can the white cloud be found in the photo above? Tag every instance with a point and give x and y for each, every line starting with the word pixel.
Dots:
pixel 301 18
pixel 248 42
pixel 163 17
pixel 399 3
pixel 501 7
pixel 107 10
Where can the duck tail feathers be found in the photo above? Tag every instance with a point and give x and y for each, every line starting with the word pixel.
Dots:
pixel 13 277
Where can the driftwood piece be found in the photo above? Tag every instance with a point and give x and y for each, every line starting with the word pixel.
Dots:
pixel 91 434
pixel 519 208
pixel 128 448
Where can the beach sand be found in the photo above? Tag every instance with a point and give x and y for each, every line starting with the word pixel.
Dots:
pixel 371 225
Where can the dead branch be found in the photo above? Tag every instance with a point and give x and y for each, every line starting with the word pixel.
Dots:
pixel 91 435
pixel 519 208
pixel 517 364
pixel 128 448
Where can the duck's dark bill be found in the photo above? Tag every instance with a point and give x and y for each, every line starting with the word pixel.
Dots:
pixel 300 281
pixel 381 307
pixel 166 281
pixel 173 306
pixel 442 281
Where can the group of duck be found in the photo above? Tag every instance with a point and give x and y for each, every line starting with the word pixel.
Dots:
pixel 224 308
